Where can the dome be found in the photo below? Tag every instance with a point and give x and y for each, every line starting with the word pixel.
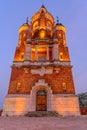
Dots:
pixel 59 26
pixel 24 27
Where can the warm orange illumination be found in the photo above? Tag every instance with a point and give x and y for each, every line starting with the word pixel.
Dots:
pixel 19 57
pixel 22 55
pixel 37 15
pixel 39 49
pixel 64 41
pixel 64 86
pixel 61 28
pixel 42 34
pixel 23 27
pixel 18 86
pixel 61 56
pixel 39 52
pixel 67 105
pixel 35 25
pixel 59 35
pixel 33 49
pixel 18 83
pixel 19 105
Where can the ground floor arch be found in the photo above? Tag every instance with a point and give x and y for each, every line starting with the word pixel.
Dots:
pixel 41 95
pixel 41 98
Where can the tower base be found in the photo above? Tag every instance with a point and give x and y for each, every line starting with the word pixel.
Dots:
pixel 19 104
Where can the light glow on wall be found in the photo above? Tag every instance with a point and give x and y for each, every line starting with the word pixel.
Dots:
pixel 42 34
pixel 19 105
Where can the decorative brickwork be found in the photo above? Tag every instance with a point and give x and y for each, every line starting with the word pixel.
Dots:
pixel 58 76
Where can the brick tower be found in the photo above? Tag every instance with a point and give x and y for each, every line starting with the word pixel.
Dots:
pixel 41 76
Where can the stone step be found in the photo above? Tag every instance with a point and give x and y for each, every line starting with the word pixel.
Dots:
pixel 42 114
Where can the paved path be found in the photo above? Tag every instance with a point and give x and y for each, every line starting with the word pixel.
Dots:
pixel 43 123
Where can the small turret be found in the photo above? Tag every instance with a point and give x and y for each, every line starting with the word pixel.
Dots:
pixel 24 27
pixel 24 32
pixel 60 32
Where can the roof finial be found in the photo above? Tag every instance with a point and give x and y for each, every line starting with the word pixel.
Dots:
pixel 57 19
pixel 43 6
pixel 27 20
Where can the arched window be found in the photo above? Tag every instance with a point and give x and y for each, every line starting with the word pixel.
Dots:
pixel 35 25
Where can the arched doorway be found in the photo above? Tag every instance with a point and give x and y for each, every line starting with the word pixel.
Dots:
pixel 41 100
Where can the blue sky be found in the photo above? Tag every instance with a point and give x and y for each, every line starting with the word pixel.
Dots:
pixel 72 14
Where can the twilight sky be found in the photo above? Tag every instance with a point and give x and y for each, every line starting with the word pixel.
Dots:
pixel 72 14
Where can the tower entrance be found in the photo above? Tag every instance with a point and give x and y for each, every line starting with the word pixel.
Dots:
pixel 41 100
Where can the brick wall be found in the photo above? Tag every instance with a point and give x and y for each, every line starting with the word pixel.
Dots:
pixel 27 80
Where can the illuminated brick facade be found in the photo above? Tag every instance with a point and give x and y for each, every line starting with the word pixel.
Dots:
pixel 42 63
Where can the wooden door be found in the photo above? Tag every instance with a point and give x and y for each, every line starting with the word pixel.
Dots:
pixel 41 100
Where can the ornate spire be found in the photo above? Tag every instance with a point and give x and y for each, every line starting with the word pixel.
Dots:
pixel 27 20
pixel 58 22
pixel 57 19
pixel 43 6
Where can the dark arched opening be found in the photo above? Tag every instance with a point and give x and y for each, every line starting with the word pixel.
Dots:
pixel 41 100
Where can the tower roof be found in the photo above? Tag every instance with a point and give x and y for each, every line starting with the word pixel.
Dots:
pixel 43 6
pixel 24 26
pixel 59 26
pixel 44 10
